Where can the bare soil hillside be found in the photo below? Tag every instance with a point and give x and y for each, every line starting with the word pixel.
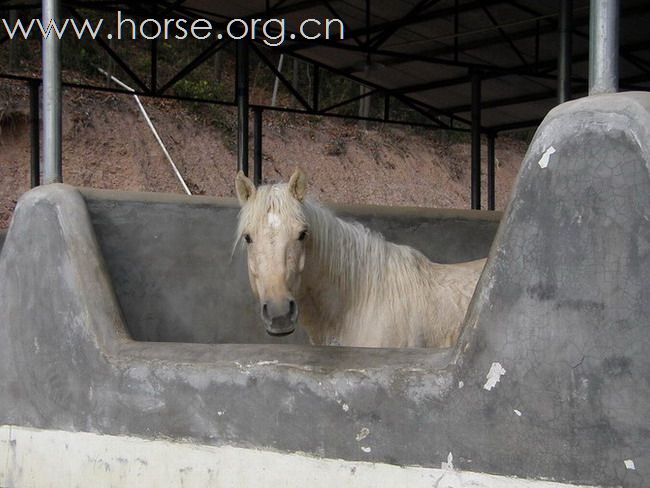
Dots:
pixel 107 144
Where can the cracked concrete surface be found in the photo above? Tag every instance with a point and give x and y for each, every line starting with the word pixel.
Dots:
pixel 563 306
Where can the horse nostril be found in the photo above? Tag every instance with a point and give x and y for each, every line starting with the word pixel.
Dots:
pixel 265 311
pixel 293 310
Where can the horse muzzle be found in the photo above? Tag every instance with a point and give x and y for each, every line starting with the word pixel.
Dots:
pixel 280 316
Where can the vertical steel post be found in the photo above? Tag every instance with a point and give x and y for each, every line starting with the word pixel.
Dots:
pixel 455 30
pixel 154 54
pixel 295 80
pixel 491 137
pixel 276 83
pixel 242 105
pixel 257 145
pixel 154 66
pixel 386 106
pixel 315 89
pixel 537 43
pixel 51 96
pixel 566 50
pixel 13 43
pixel 603 46
pixel 34 133
pixel 476 141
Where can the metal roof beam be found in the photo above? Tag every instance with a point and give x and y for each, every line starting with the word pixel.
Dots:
pixel 424 17
pixel 523 124
pixel 282 78
pixel 105 89
pixel 505 36
pixel 542 71
pixel 404 99
pixel 195 63
pixel 413 14
pixel 501 102
pixel 550 27
pixel 404 22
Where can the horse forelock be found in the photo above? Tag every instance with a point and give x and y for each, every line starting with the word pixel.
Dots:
pixel 272 205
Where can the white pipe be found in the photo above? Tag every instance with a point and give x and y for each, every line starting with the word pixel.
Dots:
pixel 277 81
pixel 151 126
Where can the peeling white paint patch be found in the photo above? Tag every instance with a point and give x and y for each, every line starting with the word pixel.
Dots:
pixel 494 376
pixel 273 219
pixel 344 406
pixel 450 478
pixel 461 384
pixel 543 161
pixel 33 458
pixel 450 462
pixel 266 363
pixel 363 433
pixel 629 464
pixel 517 412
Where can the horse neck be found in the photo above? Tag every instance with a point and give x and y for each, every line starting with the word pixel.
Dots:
pixel 339 255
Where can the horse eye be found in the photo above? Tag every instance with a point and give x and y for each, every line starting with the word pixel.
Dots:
pixel 247 238
pixel 302 235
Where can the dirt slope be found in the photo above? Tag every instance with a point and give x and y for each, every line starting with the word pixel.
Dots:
pixel 107 144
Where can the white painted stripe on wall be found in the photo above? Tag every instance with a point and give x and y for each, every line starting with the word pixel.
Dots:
pixel 31 458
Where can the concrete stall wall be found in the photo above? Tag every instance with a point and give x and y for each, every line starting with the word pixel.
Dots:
pixel 549 380
pixel 172 265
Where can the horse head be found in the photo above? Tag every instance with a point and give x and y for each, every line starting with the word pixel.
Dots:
pixel 273 226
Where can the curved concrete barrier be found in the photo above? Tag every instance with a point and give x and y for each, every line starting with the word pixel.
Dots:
pixel 548 384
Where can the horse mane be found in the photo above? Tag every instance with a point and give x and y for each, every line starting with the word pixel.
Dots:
pixel 352 257
pixel 357 259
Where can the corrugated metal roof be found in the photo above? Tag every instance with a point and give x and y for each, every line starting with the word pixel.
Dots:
pixel 426 49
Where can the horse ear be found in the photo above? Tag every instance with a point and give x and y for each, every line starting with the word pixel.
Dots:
pixel 244 187
pixel 298 185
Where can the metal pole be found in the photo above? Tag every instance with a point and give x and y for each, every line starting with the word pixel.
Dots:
pixel 564 56
pixel 603 46
pixel 455 30
pixel 274 97
pixel 242 106
pixel 51 97
pixel 13 43
pixel 386 107
pixel 257 146
pixel 154 54
pixel 315 89
pixel 476 141
pixel 34 134
pixel 152 127
pixel 490 170
pixel 154 66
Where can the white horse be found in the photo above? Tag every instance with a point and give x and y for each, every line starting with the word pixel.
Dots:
pixel 349 286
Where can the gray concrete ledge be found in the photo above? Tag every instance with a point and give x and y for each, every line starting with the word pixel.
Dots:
pixel 549 379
